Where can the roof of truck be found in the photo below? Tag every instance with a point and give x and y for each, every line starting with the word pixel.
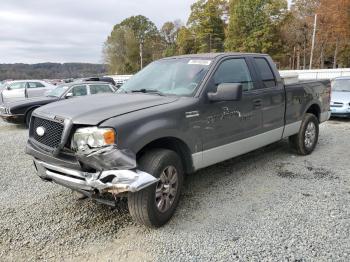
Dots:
pixel 215 55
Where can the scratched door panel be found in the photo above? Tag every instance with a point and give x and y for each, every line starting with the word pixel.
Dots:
pixel 229 121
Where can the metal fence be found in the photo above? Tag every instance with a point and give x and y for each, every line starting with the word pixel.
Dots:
pixel 317 73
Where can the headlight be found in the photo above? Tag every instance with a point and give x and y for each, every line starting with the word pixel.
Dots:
pixel 92 137
pixel 5 110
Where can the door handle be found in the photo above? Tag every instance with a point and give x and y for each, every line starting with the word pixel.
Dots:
pixel 257 103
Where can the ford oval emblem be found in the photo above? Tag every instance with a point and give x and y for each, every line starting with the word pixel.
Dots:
pixel 40 131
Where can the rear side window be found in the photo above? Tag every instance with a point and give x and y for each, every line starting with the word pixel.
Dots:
pixel 35 85
pixel 100 89
pixel 79 90
pixel 234 71
pixel 18 85
pixel 265 72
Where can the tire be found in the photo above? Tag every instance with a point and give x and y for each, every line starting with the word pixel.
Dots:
pixel 27 119
pixel 145 207
pixel 306 140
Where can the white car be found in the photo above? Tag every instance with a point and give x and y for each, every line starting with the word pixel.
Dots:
pixel 22 89
pixel 340 102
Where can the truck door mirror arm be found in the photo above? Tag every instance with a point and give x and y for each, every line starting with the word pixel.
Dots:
pixel 227 92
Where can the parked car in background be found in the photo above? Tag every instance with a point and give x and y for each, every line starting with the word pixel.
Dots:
pixel 120 79
pixel 2 85
pixel 20 111
pixel 340 99
pixel 55 82
pixel 102 78
pixel 22 89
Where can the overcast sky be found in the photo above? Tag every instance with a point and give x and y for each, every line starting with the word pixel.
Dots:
pixel 34 31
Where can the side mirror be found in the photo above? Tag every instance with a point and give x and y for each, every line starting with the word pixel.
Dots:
pixel 227 92
pixel 69 95
pixel 8 88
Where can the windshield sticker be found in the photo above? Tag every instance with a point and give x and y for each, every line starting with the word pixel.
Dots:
pixel 199 62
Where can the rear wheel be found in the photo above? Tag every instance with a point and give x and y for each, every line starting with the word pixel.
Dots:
pixel 306 140
pixel 156 204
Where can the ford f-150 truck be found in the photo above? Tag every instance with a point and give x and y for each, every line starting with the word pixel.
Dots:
pixel 176 116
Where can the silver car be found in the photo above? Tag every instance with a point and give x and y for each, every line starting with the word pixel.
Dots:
pixel 22 89
pixel 340 100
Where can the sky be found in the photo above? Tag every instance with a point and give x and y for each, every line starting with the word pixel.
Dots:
pixel 36 31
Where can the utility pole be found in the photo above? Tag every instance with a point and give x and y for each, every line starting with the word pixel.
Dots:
pixel 209 43
pixel 313 41
pixel 141 52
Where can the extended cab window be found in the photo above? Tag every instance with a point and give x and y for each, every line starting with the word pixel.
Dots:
pixel 234 71
pixel 35 85
pixel 265 72
pixel 79 90
pixel 100 89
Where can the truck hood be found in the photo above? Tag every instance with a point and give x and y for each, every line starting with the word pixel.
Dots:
pixel 92 110
pixel 341 97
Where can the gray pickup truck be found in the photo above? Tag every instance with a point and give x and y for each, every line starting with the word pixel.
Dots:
pixel 176 116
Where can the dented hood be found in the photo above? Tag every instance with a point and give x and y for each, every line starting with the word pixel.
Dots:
pixel 92 110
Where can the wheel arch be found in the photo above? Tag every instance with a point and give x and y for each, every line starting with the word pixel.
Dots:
pixel 172 143
pixel 30 109
pixel 314 109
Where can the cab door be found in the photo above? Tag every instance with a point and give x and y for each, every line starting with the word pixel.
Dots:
pixel 35 89
pixel 272 96
pixel 227 122
pixel 14 91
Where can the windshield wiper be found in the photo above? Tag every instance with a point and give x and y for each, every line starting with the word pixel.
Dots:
pixel 148 91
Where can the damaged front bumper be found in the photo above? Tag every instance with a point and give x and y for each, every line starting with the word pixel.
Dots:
pixel 111 181
pixel 13 119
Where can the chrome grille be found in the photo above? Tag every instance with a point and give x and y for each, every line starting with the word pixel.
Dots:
pixel 53 132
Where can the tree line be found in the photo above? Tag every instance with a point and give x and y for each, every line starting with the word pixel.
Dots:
pixel 308 34
pixel 50 71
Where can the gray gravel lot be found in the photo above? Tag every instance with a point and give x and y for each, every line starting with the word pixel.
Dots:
pixel 269 205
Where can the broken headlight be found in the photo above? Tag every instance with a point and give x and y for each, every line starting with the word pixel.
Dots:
pixel 92 137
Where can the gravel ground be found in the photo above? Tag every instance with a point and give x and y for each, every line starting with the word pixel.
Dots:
pixel 269 205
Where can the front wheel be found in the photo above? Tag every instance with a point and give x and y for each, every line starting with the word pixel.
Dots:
pixel 306 140
pixel 156 204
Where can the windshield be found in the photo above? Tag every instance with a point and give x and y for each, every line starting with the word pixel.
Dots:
pixel 342 85
pixel 178 77
pixel 58 91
